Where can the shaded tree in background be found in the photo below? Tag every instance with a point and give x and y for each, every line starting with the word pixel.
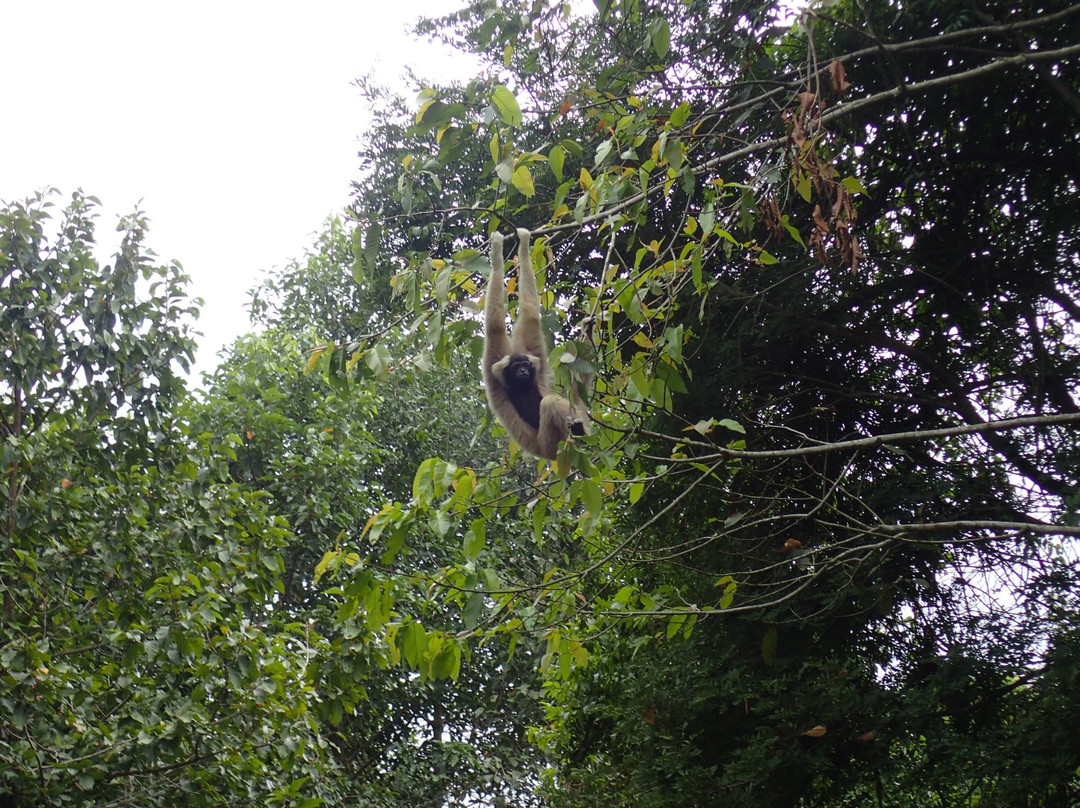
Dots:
pixel 143 661
pixel 327 453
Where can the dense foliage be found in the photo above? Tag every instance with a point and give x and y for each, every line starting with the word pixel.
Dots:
pixel 821 546
pixel 142 659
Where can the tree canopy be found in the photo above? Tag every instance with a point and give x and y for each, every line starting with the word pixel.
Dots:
pixel 822 542
pixel 818 550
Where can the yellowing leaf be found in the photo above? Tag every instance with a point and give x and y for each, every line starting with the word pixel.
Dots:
pixel 580 654
pixel 315 356
pixel 523 181
pixel 423 109
pixel 703 427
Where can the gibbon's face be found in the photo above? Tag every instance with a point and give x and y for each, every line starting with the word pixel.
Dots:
pixel 519 373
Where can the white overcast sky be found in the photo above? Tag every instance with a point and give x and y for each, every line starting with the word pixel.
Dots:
pixel 234 125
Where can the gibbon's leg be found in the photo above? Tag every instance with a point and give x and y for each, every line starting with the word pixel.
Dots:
pixel 579 390
pixel 555 417
pixel 528 337
pixel 579 416
pixel 497 354
pixel 496 343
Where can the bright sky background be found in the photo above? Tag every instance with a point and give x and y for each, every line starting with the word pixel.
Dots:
pixel 233 125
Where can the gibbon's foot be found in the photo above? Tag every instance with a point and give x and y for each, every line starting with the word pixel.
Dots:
pixel 577 427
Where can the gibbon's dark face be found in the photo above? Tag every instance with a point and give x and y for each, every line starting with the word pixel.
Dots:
pixel 519 373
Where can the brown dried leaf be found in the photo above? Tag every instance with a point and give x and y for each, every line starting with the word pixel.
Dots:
pixel 856 255
pixel 798 136
pixel 817 246
pixel 838 77
pixel 842 202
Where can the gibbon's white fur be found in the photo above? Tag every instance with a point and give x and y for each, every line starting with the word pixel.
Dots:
pixel 520 383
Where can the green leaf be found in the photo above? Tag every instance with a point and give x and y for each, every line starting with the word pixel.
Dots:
pixel 768 646
pixel 324 564
pixel 660 34
pixel 573 148
pixel 378 360
pixel 602 151
pixel 734 426
pixel 592 496
pixel 448 662
pixel 804 185
pixel 681 114
pixel 556 158
pixel 580 653
pixel 358 255
pixel 792 231
pixel 470 615
pixel 371 246
pixel 474 540
pixel 729 594
pixel 538 517
pixel 506 105
pixel 414 644
pixel 853 185
pixel 675 624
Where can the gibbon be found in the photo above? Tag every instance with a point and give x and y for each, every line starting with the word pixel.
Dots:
pixel 518 378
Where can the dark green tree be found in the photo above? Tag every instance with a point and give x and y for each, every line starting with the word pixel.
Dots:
pixel 327 449
pixel 821 547
pixel 143 658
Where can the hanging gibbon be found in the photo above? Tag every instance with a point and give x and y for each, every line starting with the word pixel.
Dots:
pixel 520 383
